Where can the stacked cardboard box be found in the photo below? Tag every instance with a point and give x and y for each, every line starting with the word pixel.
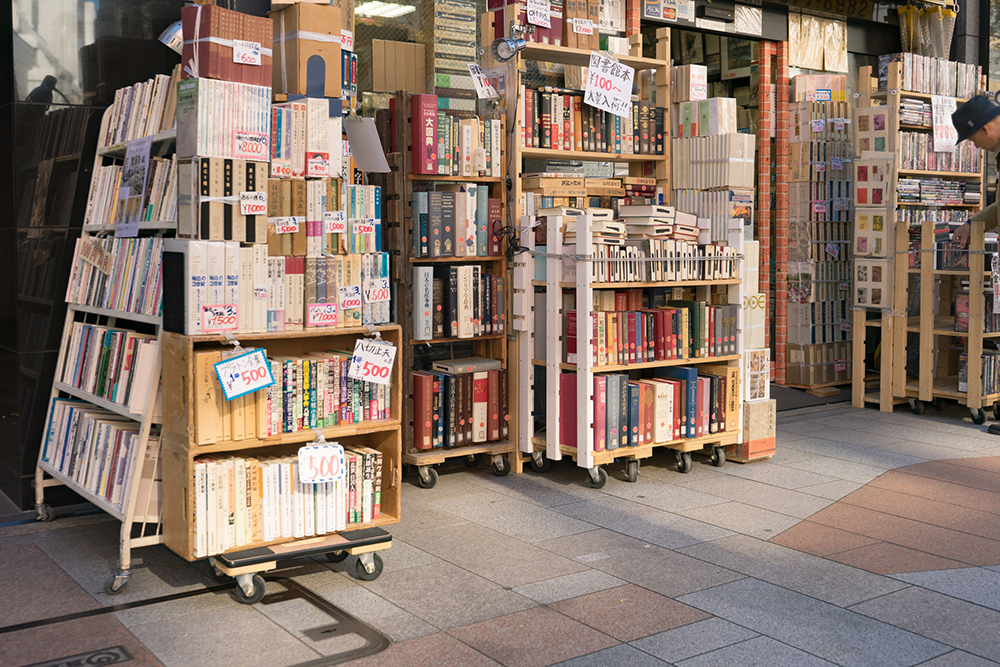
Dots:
pixel 448 33
pixel 302 32
pixel 209 54
pixel 822 363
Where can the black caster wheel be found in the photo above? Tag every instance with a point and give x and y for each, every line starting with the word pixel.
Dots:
pixel 46 512
pixel 363 572
pixel 632 470
pixel 602 479
pixel 115 585
pixel 996 411
pixel 501 467
pixel 220 576
pixel 544 467
pixel 718 456
pixel 917 407
pixel 256 594
pixel 428 477
pixel 939 405
pixel 472 460
pixel 683 461
pixel 337 556
pixel 978 417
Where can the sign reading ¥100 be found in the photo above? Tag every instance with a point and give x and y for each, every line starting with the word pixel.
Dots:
pixel 609 85
pixel 244 374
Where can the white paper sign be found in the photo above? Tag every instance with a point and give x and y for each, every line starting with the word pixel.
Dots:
pixel 609 85
pixel 243 374
pixel 372 361
pixel 253 203
pixel 838 124
pixel 333 222
pixel 583 26
pixel 321 314
pixel 377 290
pixel 840 365
pixel 824 94
pixel 484 89
pixel 820 167
pixel 260 291
pixel 945 134
pixel 347 40
pixel 837 163
pixel 363 225
pixel 818 125
pixel 819 207
pixel 845 326
pixel 538 13
pixel 844 287
pixel 833 250
pixel 289 225
pixel 246 53
pixel 321 463
pixel 251 146
pixel 217 318
pixel 350 297
pixel 132 189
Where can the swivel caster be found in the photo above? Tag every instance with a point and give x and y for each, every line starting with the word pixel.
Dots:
pixel 539 462
pixel 249 588
pixel 45 512
pixel 116 584
pixel 632 470
pixel 598 478
pixel 939 406
pixel 683 461
pixel 718 456
pixel 337 556
pixel 978 416
pixel 472 460
pixel 917 406
pixel 369 566
pixel 501 466
pixel 428 477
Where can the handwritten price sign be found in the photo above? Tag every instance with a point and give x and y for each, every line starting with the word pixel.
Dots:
pixel 243 374
pixel 250 146
pixel 317 163
pixel 246 53
pixel 260 291
pixel 321 463
pixel 372 361
pixel 219 318
pixel 583 26
pixel 538 13
pixel 609 85
pixel 377 290
pixel 840 365
pixel 824 95
pixel 484 88
pixel 363 225
pixel 289 225
pixel 838 163
pixel 92 253
pixel 350 297
pixel 333 222
pixel 280 168
pixel 253 203
pixel 321 315
pixel 833 250
pixel 347 40
pixel 817 125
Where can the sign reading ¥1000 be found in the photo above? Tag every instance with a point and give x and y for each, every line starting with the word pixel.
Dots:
pixel 609 85
pixel 243 374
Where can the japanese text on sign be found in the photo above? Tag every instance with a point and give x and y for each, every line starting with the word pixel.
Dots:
pixel 837 163
pixel 350 297
pixel 260 291
pixel 243 374
pixel 92 253
pixel 609 85
pixel 288 225
pixel 824 94
pixel 583 26
pixel 945 134
pixel 372 361
pixel 995 275
pixel 841 204
pixel 363 225
pixel 317 163
pixel 833 250
pixel 484 89
pixel 538 13
pixel 817 125
pixel 250 145
pixel 845 325
pixel 844 287
pixel 347 40
pixel 321 314
pixel 321 463
pixel 377 290
pixel 219 318
pixel 246 53
pixel 333 222
pixel 838 124
pixel 253 203
pixel 840 365
pixel 819 207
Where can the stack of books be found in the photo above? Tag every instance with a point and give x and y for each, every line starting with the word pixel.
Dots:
pixel 990 364
pixel 118 274
pixel 457 302
pixel 923 74
pixel 142 110
pixel 916 151
pixel 454 145
pixel 460 402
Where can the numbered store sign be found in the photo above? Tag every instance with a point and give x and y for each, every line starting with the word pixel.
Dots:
pixel 321 463
pixel 372 361
pixel 243 374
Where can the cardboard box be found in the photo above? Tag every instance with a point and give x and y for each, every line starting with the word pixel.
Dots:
pixel 751 450
pixel 392 66
pixel 217 28
pixel 717 116
pixel 690 83
pixel 299 26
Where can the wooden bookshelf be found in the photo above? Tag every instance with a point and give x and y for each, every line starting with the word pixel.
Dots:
pixel 555 154
pixel 903 173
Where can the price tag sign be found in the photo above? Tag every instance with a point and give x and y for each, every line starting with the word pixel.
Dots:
pixel 838 124
pixel 820 167
pixel 840 365
pixel 346 148
pixel 364 225
pixel 260 292
pixel 824 95
pixel 833 250
pixel 484 88
pixel 995 276
pixel 837 163
pixel 819 207
pixel 945 134
pixel 253 203
pixel 347 40
pixel 841 204
pixel 288 225
pixel 350 297
pixel 280 168
pixel 377 290
pixel 246 53
pixel 845 326
pixel 538 13
pixel 372 361
pixel 333 222
pixel 321 314
pixel 219 318
pixel 844 287
pixel 92 253
pixel 243 374
pixel 317 163
pixel 321 463
pixel 609 85
pixel 583 26
pixel 818 125
pixel 250 146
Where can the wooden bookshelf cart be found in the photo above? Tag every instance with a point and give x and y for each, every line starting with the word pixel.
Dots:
pixel 180 451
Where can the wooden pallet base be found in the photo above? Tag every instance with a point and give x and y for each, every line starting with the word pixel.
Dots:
pixel 261 559
pixel 737 459
pixel 608 456
pixel 435 456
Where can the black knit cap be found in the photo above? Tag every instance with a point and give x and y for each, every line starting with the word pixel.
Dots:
pixel 973 115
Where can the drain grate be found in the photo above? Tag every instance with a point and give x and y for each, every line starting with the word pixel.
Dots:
pixel 105 656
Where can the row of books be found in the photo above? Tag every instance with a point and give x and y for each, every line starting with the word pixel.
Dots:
pixel 915 112
pixel 159 201
pixel 307 138
pixel 460 402
pixel 452 146
pixel 558 119
pixel 936 192
pixel 719 161
pixel 822 321
pixel 109 363
pixel 122 274
pixel 702 118
pixel 917 216
pixel 916 151
pixel 223 119
pixel 239 501
pixel 990 373
pixel 142 110
pixel 209 33
pixel 541 202
pixel 457 302
pixel 819 160
pixel 923 74
pixel 96 448
pixel 820 121
pixel 310 207
pixel 680 403
pixel 991 320
pixel 660 260
pixel 717 207
pixel 457 221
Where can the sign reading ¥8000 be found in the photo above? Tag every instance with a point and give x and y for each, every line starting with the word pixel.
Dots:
pixel 243 374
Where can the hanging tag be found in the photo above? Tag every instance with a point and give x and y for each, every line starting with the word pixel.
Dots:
pixel 844 287
pixel 845 326
pixel 837 163
pixel 260 292
pixel 287 225
pixel 583 26
pixel 363 225
pixel 838 124
pixel 819 206
pixel 243 374
pixel 820 167
pixel 824 94
pixel 372 361
pixel 350 297
pixel 840 365
pixel 218 318
pixel 484 89
pixel 377 290
pixel 833 250
pixel 251 145
pixel 321 463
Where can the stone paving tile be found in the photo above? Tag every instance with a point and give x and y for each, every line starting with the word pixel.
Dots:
pixel 819 540
pixel 744 519
pixel 918 486
pixel 555 487
pixel 629 612
pixel 35 588
pixel 861 454
pixel 438 650
pixel 819 628
pixel 886 558
pixel 958 474
pixel 834 490
pixel 943 514
pixel 622 655
pixel 757 652
pixel 981 462
pixel 801 572
pixel 298 615
pixel 764 496
pixel 694 639
pixel 777 473
pixel 838 468
pixel 666 493
pixel 568 586
pixel 453 482
pixel 403 555
pixel 927 452
pixel 519 519
pixel 843 434
pixel 532 638
pixel 972 584
pixel 52 644
pixel 968 439
pixel 959 659
pixel 945 619
pixel 173 609
pixel 418 516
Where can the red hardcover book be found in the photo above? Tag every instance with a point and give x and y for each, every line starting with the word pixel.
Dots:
pixel 494 216
pixel 567 133
pixel 648 398
pixel 480 407
pixel 639 428
pixel 546 121
pixel 659 335
pixel 567 409
pixel 630 340
pixel 425 140
pixel 423 392
pixel 493 407
pixel 528 126
pixel 621 301
pixel 600 424
pixel 635 299
pixel 710 311
pixel 570 336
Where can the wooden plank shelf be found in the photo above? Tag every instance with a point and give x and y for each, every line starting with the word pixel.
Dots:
pixel 318 332
pixel 646 364
pixel 457 260
pixel 581 57
pixel 941 174
pixel 98 401
pixel 117 314
pixel 441 341
pixel 329 432
pixel 906 93
pixel 444 178
pixel 589 155
pixel 429 457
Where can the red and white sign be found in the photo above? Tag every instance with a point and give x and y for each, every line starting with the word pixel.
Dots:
pixel 539 13
pixel 350 297
pixel 583 26
pixel 253 203
pixel 243 374
pixel 280 168
pixel 246 53
pixel 819 206
pixel 817 125
pixel 251 146
pixel 333 222
pixel 377 290
pixel 219 318
pixel 321 463
pixel 364 225
pixel 260 292
pixel 321 314
pixel 288 225
pixel 845 326
pixel 833 250
pixel 840 365
pixel 347 40
pixel 317 164
pixel 372 361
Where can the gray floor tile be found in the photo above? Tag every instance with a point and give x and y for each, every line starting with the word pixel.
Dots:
pixel 959 659
pixel 838 468
pixel 777 473
pixel 663 529
pixel 871 456
pixel 819 628
pixel 842 433
pixel 488 553
pixel 810 575
pixel 969 439
pixel 419 516
pixel 930 452
pixel 764 496
pixel 665 492
pixel 744 519
pixel 946 619
pixel 251 639
pixel 623 655
pixel 453 482
pixel 834 490
pixel 525 521
pixel 298 615
pixel 556 487
pixel 757 652
pixel 447 596
pixel 690 640
pixel 568 586
pixel 972 584
pixel 403 555
pixel 183 607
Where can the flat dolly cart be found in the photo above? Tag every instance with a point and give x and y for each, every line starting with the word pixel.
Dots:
pixel 422 460
pixel 596 474
pixel 246 566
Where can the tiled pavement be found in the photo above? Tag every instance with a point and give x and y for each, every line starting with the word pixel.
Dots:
pixel 869 539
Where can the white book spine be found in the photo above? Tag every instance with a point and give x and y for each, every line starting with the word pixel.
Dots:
pixel 200 512
pixel 240 498
pixel 212 507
